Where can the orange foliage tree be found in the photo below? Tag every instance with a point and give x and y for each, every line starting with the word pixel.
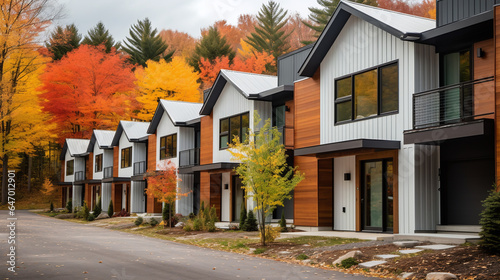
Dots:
pixel 232 33
pixel 88 89
pixel 426 8
pixel 162 184
pixel 180 42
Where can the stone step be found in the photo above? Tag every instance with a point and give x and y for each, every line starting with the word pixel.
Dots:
pixel 435 247
pixel 458 228
pixel 410 251
pixel 406 244
pixel 371 264
pixel 386 257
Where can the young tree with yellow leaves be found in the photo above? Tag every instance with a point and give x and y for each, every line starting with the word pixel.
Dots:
pixel 174 80
pixel 21 22
pixel 265 175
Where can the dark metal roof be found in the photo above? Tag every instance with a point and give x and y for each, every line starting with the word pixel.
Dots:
pixel 349 145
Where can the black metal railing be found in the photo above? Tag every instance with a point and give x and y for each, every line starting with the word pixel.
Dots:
pixel 189 157
pixel 108 172
pixel 79 176
pixel 453 104
pixel 139 168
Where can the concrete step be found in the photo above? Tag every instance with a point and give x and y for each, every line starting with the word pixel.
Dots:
pixel 442 238
pixel 458 228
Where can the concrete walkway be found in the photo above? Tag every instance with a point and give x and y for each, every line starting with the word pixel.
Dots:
pixel 341 234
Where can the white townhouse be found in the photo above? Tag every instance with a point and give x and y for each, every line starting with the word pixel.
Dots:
pixel 73 170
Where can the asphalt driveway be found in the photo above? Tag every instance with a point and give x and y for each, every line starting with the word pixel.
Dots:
pixel 48 248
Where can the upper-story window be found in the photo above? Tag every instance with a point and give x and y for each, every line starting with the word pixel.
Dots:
pixel 368 93
pixel 126 160
pixel 231 127
pixel 70 165
pixel 168 146
pixel 98 163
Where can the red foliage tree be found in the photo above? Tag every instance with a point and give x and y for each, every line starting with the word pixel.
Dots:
pixel 88 89
pixel 426 8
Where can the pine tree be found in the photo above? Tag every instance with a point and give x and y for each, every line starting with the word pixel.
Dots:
pixel 111 209
pixel 63 40
pixel 243 216
pixel 251 222
pixel 97 208
pixel 490 222
pixel 269 35
pixel 283 221
pixel 146 44
pixel 211 46
pixel 99 35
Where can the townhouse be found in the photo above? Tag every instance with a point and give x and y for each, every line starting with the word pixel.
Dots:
pixel 73 171
pixel 175 137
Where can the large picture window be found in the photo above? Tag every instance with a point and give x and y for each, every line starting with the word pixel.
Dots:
pixel 126 160
pixel 98 163
pixel 70 165
pixel 367 94
pixel 231 127
pixel 168 146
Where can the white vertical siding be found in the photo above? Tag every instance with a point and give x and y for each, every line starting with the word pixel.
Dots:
pixel 231 102
pixel 139 152
pixel 124 143
pixel 97 151
pixel 184 205
pixel 77 196
pixel 166 127
pixel 265 110
pixel 137 197
pixel 344 194
pixel 426 187
pixel 105 196
pixel 406 189
pixel 67 158
pixel 107 159
pixel 185 139
pixel 226 197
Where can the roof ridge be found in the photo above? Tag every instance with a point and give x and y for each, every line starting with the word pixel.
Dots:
pixel 249 73
pixel 180 101
pixel 348 2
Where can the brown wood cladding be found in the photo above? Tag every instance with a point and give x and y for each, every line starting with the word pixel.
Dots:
pixel 289 125
pixel 306 193
pixel 152 152
pixel 153 206
pixel 89 174
pixel 497 91
pixel 325 193
pixel 116 196
pixel 216 192
pixel 205 187
pixel 484 93
pixel 206 137
pixel 63 170
pixel 87 195
pixel 307 112
pixel 115 160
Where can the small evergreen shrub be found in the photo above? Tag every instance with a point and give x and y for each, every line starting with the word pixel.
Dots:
pixel 69 206
pixel 490 222
pixel 91 217
pixel 191 215
pixel 259 251
pixel 86 211
pixel 251 222
pixel 97 208
pixel 153 222
pixel 243 216
pixel 347 263
pixel 165 215
pixel 202 207
pixel 187 227
pixel 271 233
pixel 138 221
pixel 283 222
pixel 111 210
pixel 197 226
pixel 51 207
pixel 302 257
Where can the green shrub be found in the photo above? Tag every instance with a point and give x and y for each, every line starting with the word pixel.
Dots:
pixel 347 263
pixel 97 208
pixel 111 210
pixel 202 207
pixel 192 216
pixel 187 227
pixel 283 222
pixel 69 206
pixel 138 221
pixel 153 222
pixel 302 257
pixel 243 216
pixel 91 217
pixel 51 207
pixel 259 251
pixel 165 214
pixel 251 222
pixel 490 222
pixel 271 233
pixel 197 226
pixel 86 211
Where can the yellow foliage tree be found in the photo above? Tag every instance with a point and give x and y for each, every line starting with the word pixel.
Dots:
pixel 175 80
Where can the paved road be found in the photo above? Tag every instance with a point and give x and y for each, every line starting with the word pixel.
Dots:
pixel 55 249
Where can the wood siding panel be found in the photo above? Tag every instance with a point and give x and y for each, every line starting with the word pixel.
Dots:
pixel 205 188
pixel 116 151
pixel 63 170
pixel 325 193
pixel 206 141
pixel 216 192
pixel 484 93
pixel 152 152
pixel 89 170
pixel 289 125
pixel 307 112
pixel 497 92
pixel 306 193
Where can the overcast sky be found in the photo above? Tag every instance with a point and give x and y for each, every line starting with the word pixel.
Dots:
pixel 187 16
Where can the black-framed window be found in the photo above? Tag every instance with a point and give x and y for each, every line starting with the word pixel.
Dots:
pixel 70 166
pixel 369 93
pixel 98 163
pixel 126 159
pixel 168 146
pixel 233 126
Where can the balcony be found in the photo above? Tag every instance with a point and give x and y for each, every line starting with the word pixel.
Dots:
pixel 108 172
pixel 79 176
pixel 139 168
pixel 459 103
pixel 189 157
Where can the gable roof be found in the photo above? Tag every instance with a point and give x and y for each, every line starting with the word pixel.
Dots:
pixel 134 131
pixel 248 84
pixel 103 138
pixel 181 113
pixel 404 26
pixel 76 147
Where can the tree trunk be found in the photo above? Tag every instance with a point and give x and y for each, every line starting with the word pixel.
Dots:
pixel 170 215
pixel 30 164
pixel 5 164
pixel 262 225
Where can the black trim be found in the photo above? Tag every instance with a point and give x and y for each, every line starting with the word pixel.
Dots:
pixel 436 135
pixel 207 167
pixel 229 128
pixel 283 92
pixel 137 178
pixel 174 154
pixel 349 145
pixel 116 179
pixel 214 94
pixel 122 157
pixel 65 184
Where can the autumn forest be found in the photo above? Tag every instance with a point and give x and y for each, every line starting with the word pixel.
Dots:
pixel 80 80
